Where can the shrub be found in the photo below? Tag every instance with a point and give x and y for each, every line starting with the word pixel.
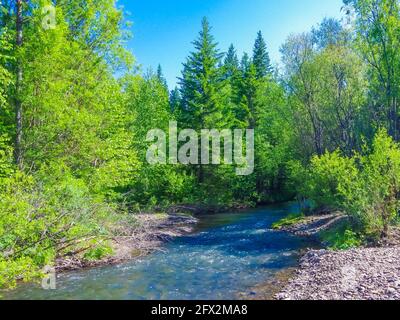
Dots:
pixel 367 187
pixel 327 173
pixel 40 222
pixel 98 252
pixel 373 196
pixel 341 238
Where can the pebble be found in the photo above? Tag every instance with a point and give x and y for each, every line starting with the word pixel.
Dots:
pixel 358 274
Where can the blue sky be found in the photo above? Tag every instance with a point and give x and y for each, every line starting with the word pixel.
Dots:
pixel 164 29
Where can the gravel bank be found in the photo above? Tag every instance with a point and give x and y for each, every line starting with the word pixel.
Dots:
pixel 312 226
pixel 358 274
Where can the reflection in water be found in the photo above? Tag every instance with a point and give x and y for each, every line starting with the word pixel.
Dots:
pixel 228 254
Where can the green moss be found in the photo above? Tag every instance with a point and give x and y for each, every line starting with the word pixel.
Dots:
pixel 290 220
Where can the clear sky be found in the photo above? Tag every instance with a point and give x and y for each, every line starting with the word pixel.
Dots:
pixel 164 29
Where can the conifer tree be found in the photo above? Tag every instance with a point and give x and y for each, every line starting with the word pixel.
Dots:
pixel 175 100
pixel 231 62
pixel 201 83
pixel 261 58
pixel 205 101
pixel 245 62
pixel 160 76
pixel 248 94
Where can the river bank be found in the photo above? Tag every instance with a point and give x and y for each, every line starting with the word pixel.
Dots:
pixel 354 274
pixel 149 234
pixel 226 254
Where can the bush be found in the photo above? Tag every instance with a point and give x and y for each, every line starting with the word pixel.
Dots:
pixel 327 173
pixel 373 196
pixel 40 222
pixel 98 252
pixel 341 238
pixel 366 186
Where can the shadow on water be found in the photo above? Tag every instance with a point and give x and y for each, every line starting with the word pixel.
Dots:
pixel 226 255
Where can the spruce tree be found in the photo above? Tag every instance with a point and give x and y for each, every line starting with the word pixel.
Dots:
pixel 175 100
pixel 231 63
pixel 160 76
pixel 245 62
pixel 205 99
pixel 201 83
pixel 248 95
pixel 261 58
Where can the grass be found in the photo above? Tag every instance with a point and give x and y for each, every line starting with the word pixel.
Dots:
pixel 289 221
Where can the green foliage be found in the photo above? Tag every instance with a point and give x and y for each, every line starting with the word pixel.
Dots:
pixel 40 221
pixel 99 252
pixel 377 27
pixel 203 93
pixel 261 59
pixel 341 237
pixel 84 129
pixel 366 186
pixel 289 221
pixel 231 63
pixel 327 174
pixel 372 197
pixel 6 161
pixel 328 95
pixel 5 76
pixel 79 156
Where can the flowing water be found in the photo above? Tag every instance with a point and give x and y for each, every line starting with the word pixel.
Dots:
pixel 227 254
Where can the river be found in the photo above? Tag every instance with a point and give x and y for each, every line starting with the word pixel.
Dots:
pixel 226 255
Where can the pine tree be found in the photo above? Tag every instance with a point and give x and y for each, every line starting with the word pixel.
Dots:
pixel 248 94
pixel 245 62
pixel 231 63
pixel 261 58
pixel 201 83
pixel 160 76
pixel 204 97
pixel 175 100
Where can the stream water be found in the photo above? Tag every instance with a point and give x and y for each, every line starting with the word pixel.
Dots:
pixel 226 255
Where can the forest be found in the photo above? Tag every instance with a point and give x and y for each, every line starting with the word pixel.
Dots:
pixel 75 109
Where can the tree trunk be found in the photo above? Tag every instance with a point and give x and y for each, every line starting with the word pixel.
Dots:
pixel 18 101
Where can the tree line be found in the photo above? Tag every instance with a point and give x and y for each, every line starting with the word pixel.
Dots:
pixel 73 144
